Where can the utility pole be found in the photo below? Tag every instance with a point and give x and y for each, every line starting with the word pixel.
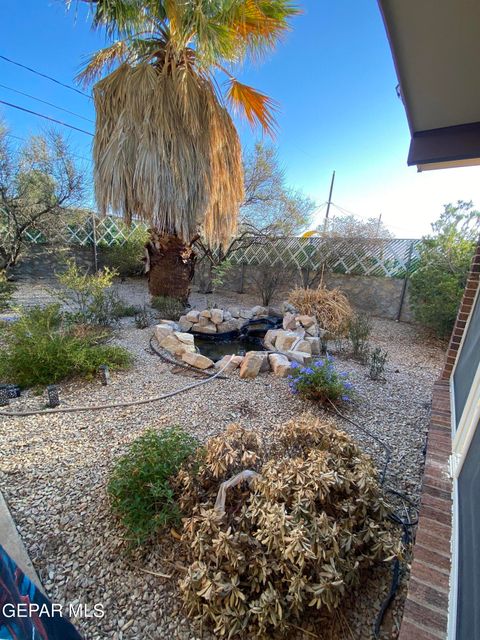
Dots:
pixel 328 204
pixel 378 225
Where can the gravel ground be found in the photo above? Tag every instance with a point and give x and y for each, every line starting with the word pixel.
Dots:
pixel 53 471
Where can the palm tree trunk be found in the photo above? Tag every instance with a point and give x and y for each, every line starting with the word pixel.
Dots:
pixel 170 265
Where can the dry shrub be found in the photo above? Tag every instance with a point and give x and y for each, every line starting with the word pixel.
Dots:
pixel 330 307
pixel 289 546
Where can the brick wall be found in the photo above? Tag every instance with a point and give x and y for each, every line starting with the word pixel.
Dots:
pixel 426 608
pixel 463 314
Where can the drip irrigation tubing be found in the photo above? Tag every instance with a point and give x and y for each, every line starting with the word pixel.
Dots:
pixel 185 366
pixel 113 405
pixel 406 523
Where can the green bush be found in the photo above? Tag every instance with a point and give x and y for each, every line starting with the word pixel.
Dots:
pixel 321 381
pixel 436 287
pixel 359 330
pixel 139 486
pixel 126 258
pixel 169 308
pixel 90 296
pixel 6 291
pixel 40 350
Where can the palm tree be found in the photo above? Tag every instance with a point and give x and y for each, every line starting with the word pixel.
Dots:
pixel 166 150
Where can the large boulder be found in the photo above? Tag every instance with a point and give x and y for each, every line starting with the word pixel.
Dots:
pixel 162 330
pixel 251 364
pixel 205 328
pixel 279 364
pixel 271 337
pixel 306 321
pixel 314 344
pixel 197 360
pixel 289 321
pixel 285 339
pixel 229 363
pixel 176 346
pixel 227 325
pixel 192 316
pixel 301 357
pixel 184 324
pixel 216 316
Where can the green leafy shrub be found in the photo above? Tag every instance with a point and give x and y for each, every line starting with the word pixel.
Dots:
pixel 436 287
pixel 40 349
pixel 359 330
pixel 6 291
pixel 169 308
pixel 126 258
pixel 321 381
pixel 139 487
pixel 90 296
pixel 288 547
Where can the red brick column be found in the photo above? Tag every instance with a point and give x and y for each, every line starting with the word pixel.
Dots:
pixel 463 314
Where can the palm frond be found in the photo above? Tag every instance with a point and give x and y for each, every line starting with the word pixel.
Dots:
pixel 103 60
pixel 165 150
pixel 257 107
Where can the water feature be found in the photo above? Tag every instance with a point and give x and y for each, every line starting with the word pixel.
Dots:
pixel 249 338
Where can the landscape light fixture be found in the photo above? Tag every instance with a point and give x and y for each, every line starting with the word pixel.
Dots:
pixel 53 397
pixel 104 373
pixel 4 397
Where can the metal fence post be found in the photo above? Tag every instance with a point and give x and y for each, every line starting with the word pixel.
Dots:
pixel 405 281
pixel 94 238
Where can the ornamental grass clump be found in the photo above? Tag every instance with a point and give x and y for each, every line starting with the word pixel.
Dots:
pixel 330 307
pixel 286 548
pixel 321 381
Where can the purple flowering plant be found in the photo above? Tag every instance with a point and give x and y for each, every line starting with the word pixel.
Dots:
pixel 321 381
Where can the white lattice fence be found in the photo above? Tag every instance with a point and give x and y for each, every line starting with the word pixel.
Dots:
pixel 390 258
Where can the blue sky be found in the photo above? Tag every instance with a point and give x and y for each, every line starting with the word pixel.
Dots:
pixel 333 77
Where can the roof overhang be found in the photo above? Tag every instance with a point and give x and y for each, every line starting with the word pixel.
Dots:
pixel 436 50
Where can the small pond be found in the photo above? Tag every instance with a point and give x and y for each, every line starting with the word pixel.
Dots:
pixel 250 338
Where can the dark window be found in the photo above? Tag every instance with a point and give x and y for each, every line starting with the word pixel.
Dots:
pixel 468 362
pixel 468 608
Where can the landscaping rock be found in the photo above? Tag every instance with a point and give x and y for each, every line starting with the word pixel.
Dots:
pixel 314 344
pixel 204 321
pixel 205 328
pixel 217 316
pixel 192 316
pixel 271 337
pixel 162 330
pixel 197 360
pixel 259 312
pixel 279 364
pixel 251 364
pixel 206 313
pixel 246 314
pixel 302 345
pixel 235 311
pixel 312 331
pixel 172 344
pixel 227 325
pixel 227 316
pixel 187 338
pixel 306 321
pixel 231 363
pixel 285 339
pixel 289 321
pixel 184 324
pixel 299 356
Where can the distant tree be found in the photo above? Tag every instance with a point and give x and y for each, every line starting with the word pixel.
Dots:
pixel 271 209
pixel 437 284
pixel 348 226
pixel 38 183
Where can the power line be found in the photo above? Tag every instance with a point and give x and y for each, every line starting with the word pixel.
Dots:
pixel 41 115
pixel 50 104
pixel 44 75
